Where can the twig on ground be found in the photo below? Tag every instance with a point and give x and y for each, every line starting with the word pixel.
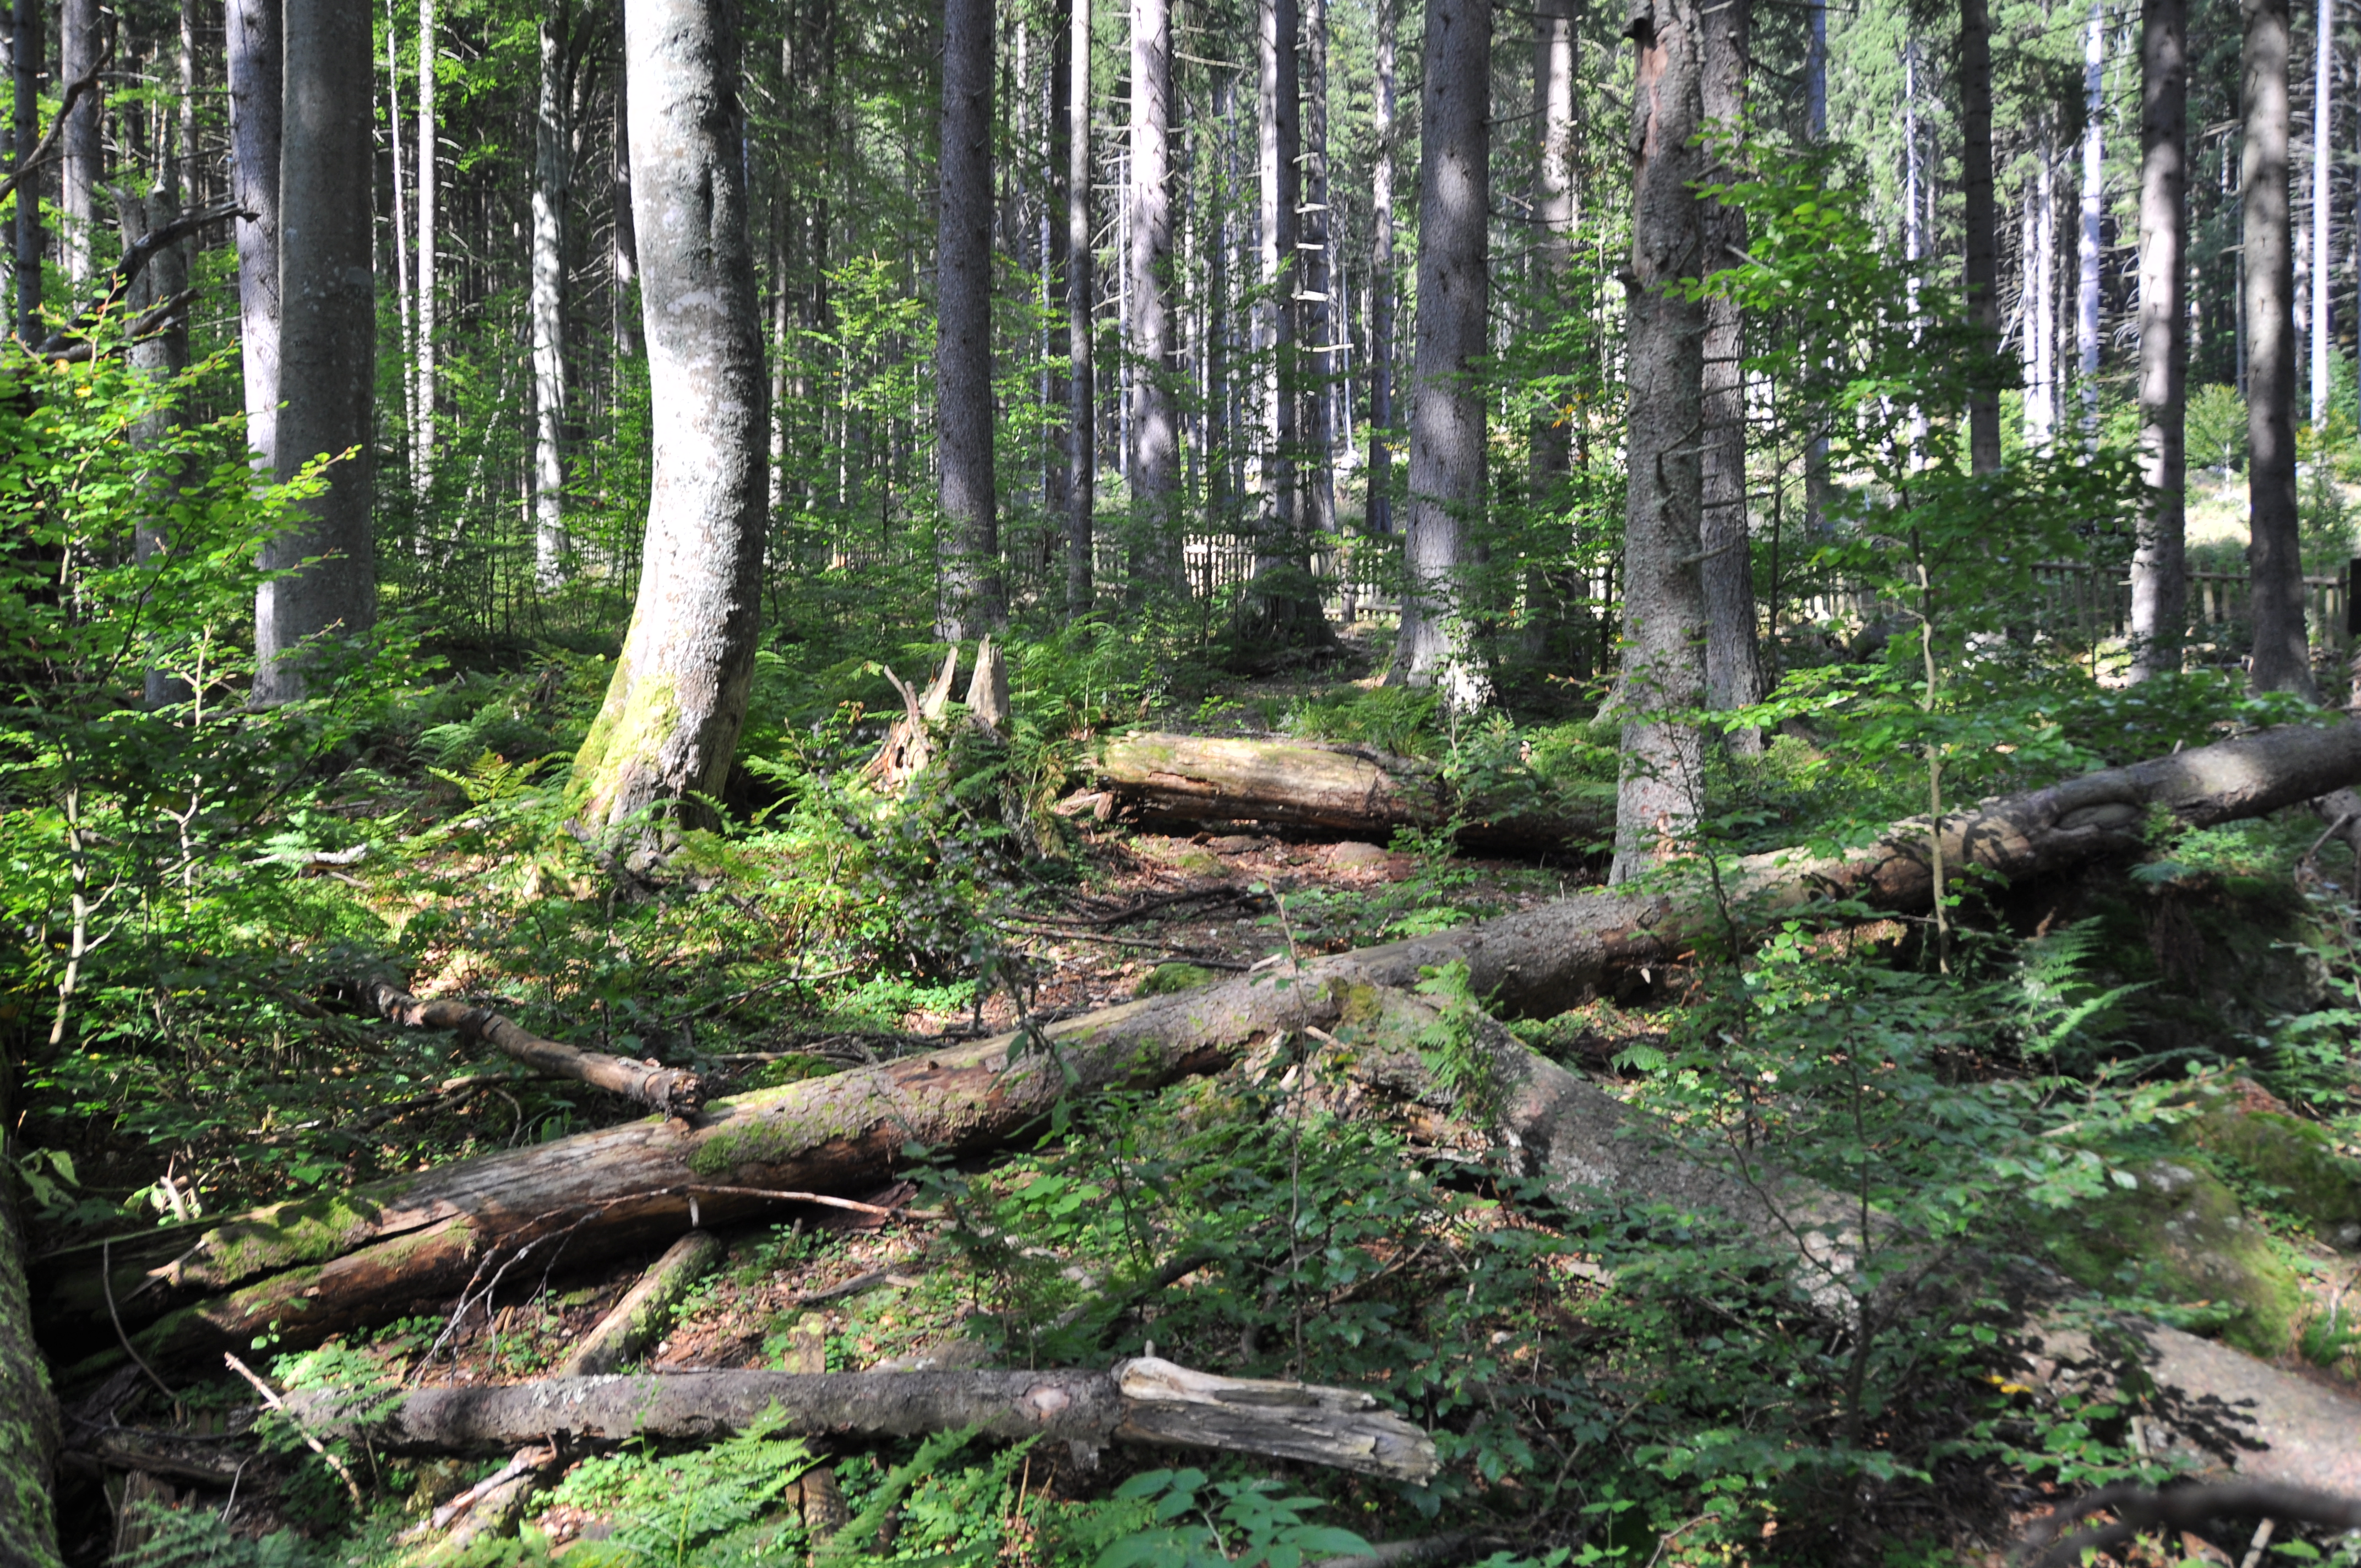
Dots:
pixel 272 1399
pixel 1206 961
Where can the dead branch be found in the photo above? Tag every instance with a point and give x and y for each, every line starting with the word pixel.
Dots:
pixel 674 1091
pixel 2140 1508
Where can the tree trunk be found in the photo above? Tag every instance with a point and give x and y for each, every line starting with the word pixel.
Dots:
pixel 2093 211
pixel 1816 131
pixel 28 1413
pixel 1081 418
pixel 421 439
pixel 1379 517
pixel 1329 788
pixel 1155 438
pixel 677 700
pixel 1144 1400
pixel 1733 661
pixel 2159 572
pixel 553 169
pixel 366 1255
pixel 160 356
pixel 81 165
pixel 623 259
pixel 970 545
pixel 28 32
pixel 256 53
pixel 405 298
pixel 328 336
pixel 1664 601
pixel 1319 315
pixel 2282 657
pixel 1448 459
pixel 2041 300
pixel 668 1090
pixel 1555 47
pixel 1978 213
pixel 2323 207
pixel 646 1309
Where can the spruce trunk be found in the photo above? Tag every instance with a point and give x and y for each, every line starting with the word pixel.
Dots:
pixel 2159 569
pixel 971 595
pixel 2282 656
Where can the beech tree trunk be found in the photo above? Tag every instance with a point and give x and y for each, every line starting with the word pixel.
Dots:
pixel 1978 212
pixel 1081 409
pixel 2159 568
pixel 677 700
pixel 1447 463
pixel 2282 656
pixel 553 169
pixel 971 592
pixel 254 46
pixel 1142 1400
pixel 366 1255
pixel 327 340
pixel 1733 660
pixel 1664 601
pixel 1155 434
pixel 81 163
pixel 1379 517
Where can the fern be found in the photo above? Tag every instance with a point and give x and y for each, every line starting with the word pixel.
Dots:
pixel 196 1538
pixel 708 1507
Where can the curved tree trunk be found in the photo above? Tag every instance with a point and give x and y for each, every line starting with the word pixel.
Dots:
pixel 1156 448
pixel 1664 601
pixel 1448 457
pixel 2282 657
pixel 970 546
pixel 2159 570
pixel 1733 660
pixel 255 52
pixel 327 340
pixel 679 697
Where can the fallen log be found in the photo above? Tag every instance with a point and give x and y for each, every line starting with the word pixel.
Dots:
pixel 646 1309
pixel 1145 1400
pixel 310 1269
pixel 1328 786
pixel 674 1092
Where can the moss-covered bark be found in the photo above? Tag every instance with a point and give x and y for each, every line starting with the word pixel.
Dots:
pixel 29 1414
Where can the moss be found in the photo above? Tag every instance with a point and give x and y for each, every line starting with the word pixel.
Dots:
pixel 627 734
pixel 2294 1158
pixel 313 1230
pixel 2181 1236
pixel 1165 980
pixel 774 1125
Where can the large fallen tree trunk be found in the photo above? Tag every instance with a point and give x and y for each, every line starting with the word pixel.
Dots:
pixel 310 1269
pixel 1144 1400
pixel 1327 787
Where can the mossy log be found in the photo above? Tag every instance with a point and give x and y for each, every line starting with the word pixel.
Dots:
pixel 1144 1400
pixel 646 1309
pixel 1323 787
pixel 674 1090
pixel 319 1266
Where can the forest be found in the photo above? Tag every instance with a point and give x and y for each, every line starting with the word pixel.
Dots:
pixel 1203 784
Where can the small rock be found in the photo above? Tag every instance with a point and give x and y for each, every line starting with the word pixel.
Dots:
pixel 1354 856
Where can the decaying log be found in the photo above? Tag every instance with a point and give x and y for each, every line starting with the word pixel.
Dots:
pixel 324 1264
pixel 1144 1400
pixel 485 1510
pixel 646 1309
pixel 676 1091
pixel 1324 786
pixel 2138 1508
pixel 1584 1142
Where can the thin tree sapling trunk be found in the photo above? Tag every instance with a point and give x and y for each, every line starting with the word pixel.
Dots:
pixel 970 597
pixel 2159 570
pixel 1664 599
pixel 2282 656
pixel 677 699
pixel 327 339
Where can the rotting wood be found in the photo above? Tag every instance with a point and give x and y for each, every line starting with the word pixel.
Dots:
pixel 1325 787
pixel 674 1092
pixel 314 1268
pixel 1144 1400
pixel 645 1309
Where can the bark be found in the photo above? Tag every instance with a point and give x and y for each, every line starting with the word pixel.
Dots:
pixel 1447 458
pixel 421 440
pixel 623 259
pixel 1329 788
pixel 327 330
pixel 971 592
pixel 28 32
pixel 1978 213
pixel 2041 302
pixel 28 1413
pixel 1318 310
pixel 81 167
pixel 1154 436
pixel 2159 569
pixel 2282 657
pixel 2323 207
pixel 362 1256
pixel 2093 211
pixel 1553 215
pixel 160 356
pixel 253 46
pixel 1733 661
pixel 677 700
pixel 553 169
pixel 1664 601
pixel 670 1092
pixel 1144 1400
pixel 645 1309
pixel 1081 459
pixel 1379 517
pixel 1279 146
